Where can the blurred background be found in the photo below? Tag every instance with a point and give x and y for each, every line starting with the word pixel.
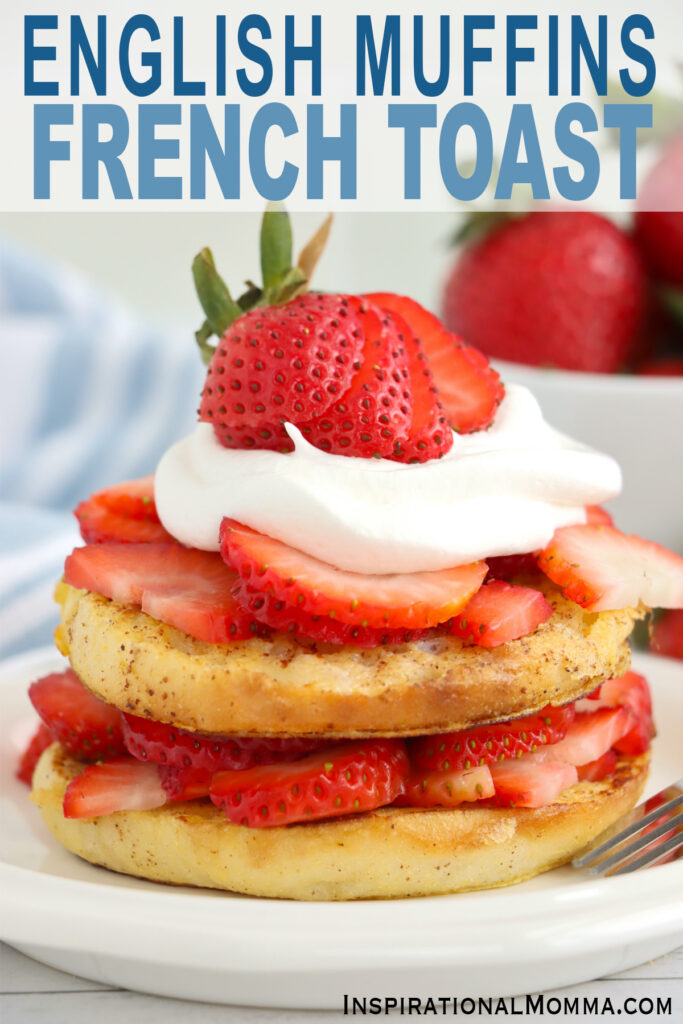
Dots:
pixel 145 259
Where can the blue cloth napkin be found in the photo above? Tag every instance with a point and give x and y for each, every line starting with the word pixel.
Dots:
pixel 90 394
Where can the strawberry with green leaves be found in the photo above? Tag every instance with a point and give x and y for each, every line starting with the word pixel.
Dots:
pixel 347 371
pixel 283 354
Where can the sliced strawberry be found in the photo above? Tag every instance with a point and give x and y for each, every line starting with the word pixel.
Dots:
pixel 588 738
pixel 598 516
pixel 487 744
pixel 375 414
pixel 601 568
pixel 276 363
pixel 355 777
pixel 184 783
pixel 321 628
pixel 408 600
pixel 183 587
pixel 499 612
pixel 268 435
pixel 629 691
pixel 446 789
pixel 429 436
pixel 98 525
pixel 507 567
pixel 40 741
pixel 596 770
pixel 133 499
pixel 667 635
pixel 85 726
pixel 469 389
pixel 166 744
pixel 125 513
pixel 119 785
pixel 522 783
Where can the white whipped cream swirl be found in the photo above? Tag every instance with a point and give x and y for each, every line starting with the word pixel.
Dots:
pixel 499 491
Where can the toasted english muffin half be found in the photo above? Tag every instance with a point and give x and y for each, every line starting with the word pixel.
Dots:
pixel 286 687
pixel 384 854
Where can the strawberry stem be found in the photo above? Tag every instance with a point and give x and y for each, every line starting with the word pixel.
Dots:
pixel 281 281
pixel 217 302
pixel 276 246
pixel 251 297
pixel 201 337
pixel 291 284
pixel 313 250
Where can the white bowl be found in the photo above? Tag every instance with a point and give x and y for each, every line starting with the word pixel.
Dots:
pixel 639 421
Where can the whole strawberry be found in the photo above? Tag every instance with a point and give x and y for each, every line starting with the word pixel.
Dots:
pixel 659 219
pixel 348 373
pixel 564 289
pixel 666 366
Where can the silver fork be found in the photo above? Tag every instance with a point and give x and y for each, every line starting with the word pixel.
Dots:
pixel 655 828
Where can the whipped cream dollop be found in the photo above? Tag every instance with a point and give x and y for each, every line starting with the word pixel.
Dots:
pixel 499 491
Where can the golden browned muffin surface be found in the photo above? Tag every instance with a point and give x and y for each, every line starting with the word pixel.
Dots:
pixel 388 853
pixel 285 686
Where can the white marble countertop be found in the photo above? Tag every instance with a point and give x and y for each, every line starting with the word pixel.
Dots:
pixel 31 992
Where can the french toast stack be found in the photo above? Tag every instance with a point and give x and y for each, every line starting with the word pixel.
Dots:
pixel 292 675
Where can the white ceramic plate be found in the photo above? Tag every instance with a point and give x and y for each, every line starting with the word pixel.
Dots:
pixel 555 930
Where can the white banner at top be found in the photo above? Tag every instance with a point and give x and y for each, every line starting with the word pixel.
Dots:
pixel 374 106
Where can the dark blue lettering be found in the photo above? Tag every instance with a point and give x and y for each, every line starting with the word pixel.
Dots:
pixel 391 47
pixel 472 53
pixel 256 54
pixel 33 53
pixel 149 60
pixel 80 46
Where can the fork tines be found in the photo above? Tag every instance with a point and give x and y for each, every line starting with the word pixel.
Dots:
pixel 658 832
